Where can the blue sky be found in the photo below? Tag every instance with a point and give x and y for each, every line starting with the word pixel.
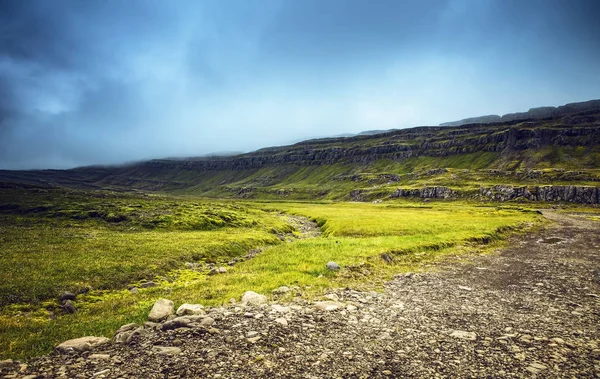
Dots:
pixel 109 81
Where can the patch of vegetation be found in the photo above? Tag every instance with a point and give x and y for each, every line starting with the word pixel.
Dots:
pixel 72 240
pixel 45 250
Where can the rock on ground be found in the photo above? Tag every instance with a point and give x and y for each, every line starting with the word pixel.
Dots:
pixel 190 309
pixel 332 266
pixel 81 344
pixel 253 298
pixel 162 309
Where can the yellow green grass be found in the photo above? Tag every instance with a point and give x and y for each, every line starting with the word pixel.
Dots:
pixel 45 254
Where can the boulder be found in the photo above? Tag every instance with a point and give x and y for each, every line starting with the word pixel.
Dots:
pixel 190 310
pixel 149 285
pixel 68 307
pixel 253 298
pixel 166 350
pixel 469 336
pixel 99 357
pixel 67 296
pixel 328 305
pixel 81 344
pixel 332 266
pixel 126 333
pixel 180 322
pixel 162 309
pixel 207 321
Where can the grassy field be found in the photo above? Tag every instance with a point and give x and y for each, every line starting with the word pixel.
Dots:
pixel 97 244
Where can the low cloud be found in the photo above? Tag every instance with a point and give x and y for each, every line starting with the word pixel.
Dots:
pixel 103 82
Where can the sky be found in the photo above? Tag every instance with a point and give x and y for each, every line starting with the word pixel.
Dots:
pixel 112 81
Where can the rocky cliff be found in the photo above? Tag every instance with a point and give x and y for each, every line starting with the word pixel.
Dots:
pixel 532 114
pixel 570 194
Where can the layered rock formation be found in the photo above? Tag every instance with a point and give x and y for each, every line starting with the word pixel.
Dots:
pixel 571 194
pixel 531 114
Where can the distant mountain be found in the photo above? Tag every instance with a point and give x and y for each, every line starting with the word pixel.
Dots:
pixel 543 147
pixel 532 114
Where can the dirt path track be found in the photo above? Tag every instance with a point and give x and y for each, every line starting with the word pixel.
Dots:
pixel 533 310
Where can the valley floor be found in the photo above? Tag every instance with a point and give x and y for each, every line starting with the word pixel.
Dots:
pixel 532 309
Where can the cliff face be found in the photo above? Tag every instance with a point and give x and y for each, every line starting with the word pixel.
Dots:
pixel 532 114
pixel 570 194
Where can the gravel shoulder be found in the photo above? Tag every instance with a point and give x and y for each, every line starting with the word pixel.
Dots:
pixel 530 310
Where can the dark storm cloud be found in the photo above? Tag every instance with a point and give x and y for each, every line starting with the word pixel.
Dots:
pixel 84 82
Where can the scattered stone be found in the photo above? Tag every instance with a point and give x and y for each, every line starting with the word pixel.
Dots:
pixel 469 336
pixel 281 290
pixel 68 307
pixel 180 322
pixel 558 340
pixel 99 357
pixel 101 372
pixel 332 296
pixel 149 284
pixel 535 368
pixel 207 321
pixel 253 339
pixel 221 270
pixel 328 305
pixel 190 309
pixel 166 350
pixel 465 288
pixel 332 266
pixel 253 298
pixel 134 290
pixel 126 333
pixel 67 296
pixel 281 321
pixel 251 334
pixel 162 309
pixel 6 363
pixel 81 344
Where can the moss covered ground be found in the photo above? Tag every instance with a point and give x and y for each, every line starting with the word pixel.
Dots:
pixel 98 244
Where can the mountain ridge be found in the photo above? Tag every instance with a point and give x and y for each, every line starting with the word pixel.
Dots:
pixel 532 113
pixel 561 150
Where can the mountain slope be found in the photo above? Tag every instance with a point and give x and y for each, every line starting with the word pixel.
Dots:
pixel 561 150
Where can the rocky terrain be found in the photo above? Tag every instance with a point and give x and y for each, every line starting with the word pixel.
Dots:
pixel 572 194
pixel 529 310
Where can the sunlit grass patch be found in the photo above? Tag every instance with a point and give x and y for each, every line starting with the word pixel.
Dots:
pixel 44 255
